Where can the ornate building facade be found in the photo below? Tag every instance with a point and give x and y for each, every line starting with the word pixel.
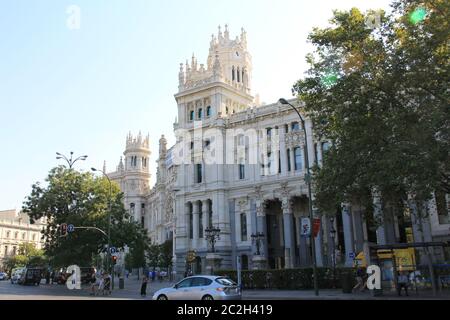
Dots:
pixel 15 229
pixel 240 167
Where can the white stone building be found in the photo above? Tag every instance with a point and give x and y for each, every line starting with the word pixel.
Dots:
pixel 240 166
pixel 15 229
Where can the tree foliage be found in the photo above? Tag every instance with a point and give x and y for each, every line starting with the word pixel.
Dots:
pixel 80 199
pixel 379 93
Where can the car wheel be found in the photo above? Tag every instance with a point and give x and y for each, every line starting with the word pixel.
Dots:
pixel 162 297
pixel 207 297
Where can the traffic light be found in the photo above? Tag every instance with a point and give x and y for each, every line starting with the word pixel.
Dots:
pixel 114 260
pixel 63 229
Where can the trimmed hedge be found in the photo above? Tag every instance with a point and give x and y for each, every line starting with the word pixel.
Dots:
pixel 289 279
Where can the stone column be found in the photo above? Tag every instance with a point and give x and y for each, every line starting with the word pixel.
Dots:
pixel 205 216
pixel 260 262
pixel 348 233
pixel 195 221
pixel 288 227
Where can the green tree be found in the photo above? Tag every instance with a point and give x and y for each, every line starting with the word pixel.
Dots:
pixel 379 93
pixel 82 200
pixel 165 254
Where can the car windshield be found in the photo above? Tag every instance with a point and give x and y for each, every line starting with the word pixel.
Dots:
pixel 225 281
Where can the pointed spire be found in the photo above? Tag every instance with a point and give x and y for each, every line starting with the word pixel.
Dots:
pixel 243 37
pixel 220 37
pixel 227 33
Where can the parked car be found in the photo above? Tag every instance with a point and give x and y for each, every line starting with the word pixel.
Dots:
pixel 31 276
pixel 15 275
pixel 201 288
pixel 3 276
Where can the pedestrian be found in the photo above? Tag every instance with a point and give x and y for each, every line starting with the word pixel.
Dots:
pixel 402 282
pixel 126 273
pixel 47 277
pixel 153 275
pixel 52 277
pixel 106 284
pixel 144 287
pixel 360 274
pixel 269 280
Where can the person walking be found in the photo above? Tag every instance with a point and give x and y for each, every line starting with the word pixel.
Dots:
pixel 144 287
pixel 153 275
pixel 402 282
pixel 360 275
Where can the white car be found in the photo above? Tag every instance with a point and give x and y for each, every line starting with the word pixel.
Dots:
pixel 201 288
pixel 3 276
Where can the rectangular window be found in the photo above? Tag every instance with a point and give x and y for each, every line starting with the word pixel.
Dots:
pixel 288 159
pixel 210 216
pixel 200 224
pixel 241 171
pixel 143 222
pixel 191 226
pixel 243 227
pixel 442 206
pixel 198 173
pixel 298 159
pixel 295 126
pixel 286 128
pixel 279 161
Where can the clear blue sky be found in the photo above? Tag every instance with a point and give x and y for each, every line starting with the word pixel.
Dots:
pixel 84 90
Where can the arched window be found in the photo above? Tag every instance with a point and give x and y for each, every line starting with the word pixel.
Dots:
pixel 238 75
pixel 295 126
pixel 243 227
pixel 200 113
pixel 34 237
pixel 243 76
pixel 132 206
pixel 232 74
pixel 298 159
pixel 8 233
pixel 16 235
pixel 208 111
pixel 191 115
pixel 24 235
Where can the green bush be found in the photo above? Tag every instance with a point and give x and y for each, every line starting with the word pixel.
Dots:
pixel 289 279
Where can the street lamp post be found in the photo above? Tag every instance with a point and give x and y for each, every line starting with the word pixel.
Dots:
pixel 212 235
pixel 109 224
pixel 333 257
pixel 308 180
pixel 257 239
pixel 70 161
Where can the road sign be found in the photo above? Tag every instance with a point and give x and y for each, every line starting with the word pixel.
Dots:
pixel 112 250
pixel 316 227
pixel 352 255
pixel 305 228
pixel 70 228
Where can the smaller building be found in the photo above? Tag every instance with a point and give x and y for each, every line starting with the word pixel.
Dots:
pixel 15 229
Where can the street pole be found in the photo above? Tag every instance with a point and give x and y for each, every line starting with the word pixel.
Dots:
pixel 109 227
pixel 308 180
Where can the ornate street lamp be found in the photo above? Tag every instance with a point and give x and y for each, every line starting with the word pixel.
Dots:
pixel 70 161
pixel 212 235
pixel 257 238
pixel 333 256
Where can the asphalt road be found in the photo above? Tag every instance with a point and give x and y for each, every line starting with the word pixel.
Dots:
pixel 131 291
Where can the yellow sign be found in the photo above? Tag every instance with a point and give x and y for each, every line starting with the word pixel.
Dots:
pixel 404 258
